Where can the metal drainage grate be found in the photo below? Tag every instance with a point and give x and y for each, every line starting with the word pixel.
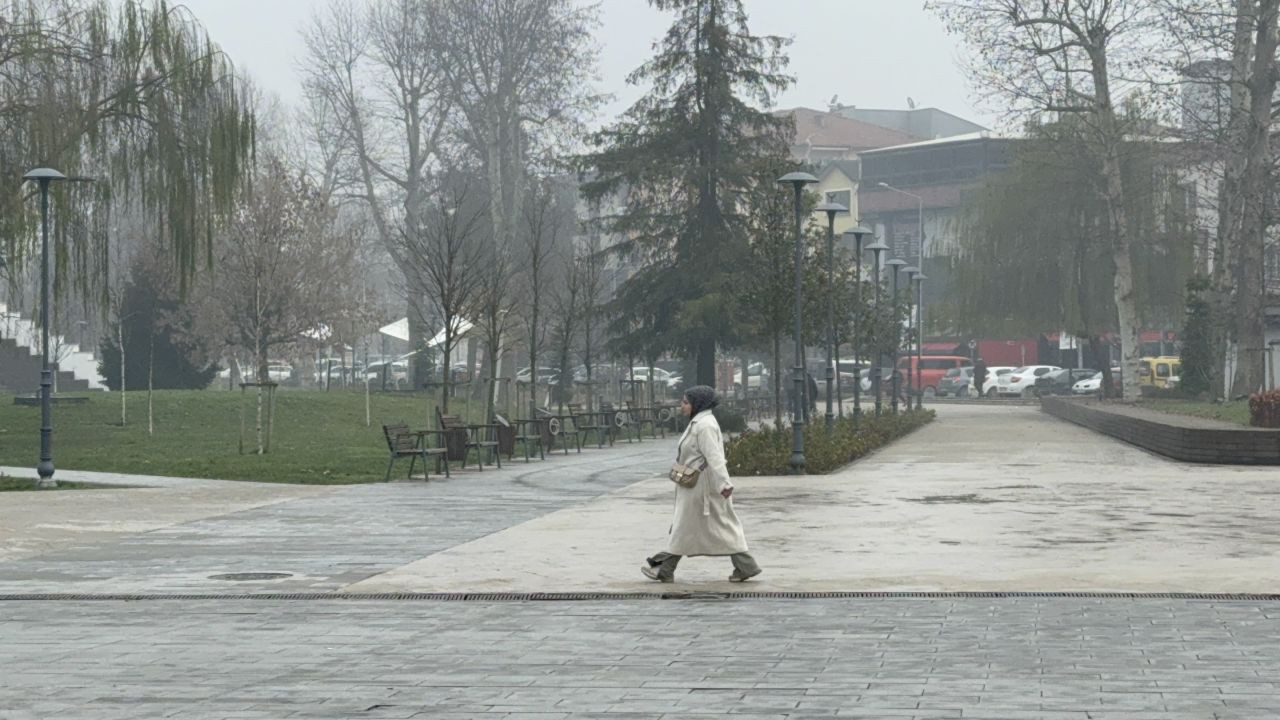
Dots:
pixel 605 596
pixel 242 576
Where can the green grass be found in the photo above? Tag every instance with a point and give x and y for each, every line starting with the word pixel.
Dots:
pixel 319 437
pixel 1233 412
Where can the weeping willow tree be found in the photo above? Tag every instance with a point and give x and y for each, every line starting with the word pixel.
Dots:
pixel 134 95
pixel 1036 255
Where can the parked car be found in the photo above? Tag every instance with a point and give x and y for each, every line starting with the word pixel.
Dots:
pixel 1022 382
pixel 956 382
pixel 397 372
pixel 757 378
pixel 931 370
pixel 1088 386
pixel 546 375
pixel 990 388
pixel 1060 382
pixel 1156 371
pixel 280 373
pixel 661 377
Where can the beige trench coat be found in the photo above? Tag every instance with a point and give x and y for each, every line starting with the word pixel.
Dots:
pixel 705 523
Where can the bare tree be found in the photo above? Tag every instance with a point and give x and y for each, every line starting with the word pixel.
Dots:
pixel 379 93
pixel 565 303
pixel 544 224
pixel 1063 57
pixel 282 267
pixel 444 257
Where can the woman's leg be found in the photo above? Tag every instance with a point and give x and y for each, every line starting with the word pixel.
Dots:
pixel 665 564
pixel 744 566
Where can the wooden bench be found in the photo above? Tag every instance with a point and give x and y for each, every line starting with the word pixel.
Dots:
pixel 479 437
pixel 403 442
pixel 527 432
pixel 588 422
pixel 618 421
pixel 560 426
pixel 643 416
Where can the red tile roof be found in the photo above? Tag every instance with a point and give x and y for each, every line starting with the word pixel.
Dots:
pixel 825 129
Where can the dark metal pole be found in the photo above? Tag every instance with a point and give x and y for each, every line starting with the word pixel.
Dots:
pixel 895 380
pixel 830 209
pixel 877 371
pixel 797 420
pixel 798 180
pixel 857 330
pixel 920 343
pixel 45 467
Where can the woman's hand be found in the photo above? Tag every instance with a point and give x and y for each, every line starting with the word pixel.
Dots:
pixel 727 492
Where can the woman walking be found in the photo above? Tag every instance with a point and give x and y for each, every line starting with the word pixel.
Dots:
pixel 704 523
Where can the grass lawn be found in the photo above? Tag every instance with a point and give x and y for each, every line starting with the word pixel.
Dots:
pixel 1233 412
pixel 319 437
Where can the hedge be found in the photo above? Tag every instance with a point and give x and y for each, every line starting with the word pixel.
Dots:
pixel 768 451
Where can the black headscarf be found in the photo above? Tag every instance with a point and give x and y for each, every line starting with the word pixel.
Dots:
pixel 701 397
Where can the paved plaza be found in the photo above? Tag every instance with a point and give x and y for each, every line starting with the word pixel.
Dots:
pixel 1117 585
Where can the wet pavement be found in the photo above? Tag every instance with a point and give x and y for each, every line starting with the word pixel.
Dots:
pixel 1001 500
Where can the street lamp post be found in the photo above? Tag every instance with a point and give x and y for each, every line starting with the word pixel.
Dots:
pixel 919 280
pixel 895 383
pixel 911 271
pixel 878 249
pixel 798 180
pixel 830 209
pixel 859 234
pixel 44 469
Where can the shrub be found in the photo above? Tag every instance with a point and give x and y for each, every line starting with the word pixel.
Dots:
pixel 768 451
pixel 1264 409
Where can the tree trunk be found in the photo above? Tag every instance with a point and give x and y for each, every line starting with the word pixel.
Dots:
pixel 124 413
pixel 419 335
pixel 777 379
pixel 151 364
pixel 1249 268
pixel 447 378
pixel 706 362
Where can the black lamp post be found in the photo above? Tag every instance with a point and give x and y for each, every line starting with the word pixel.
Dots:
pixel 859 234
pixel 830 209
pixel 895 383
pixel 910 271
pixel 798 180
pixel 878 249
pixel 44 176
pixel 919 280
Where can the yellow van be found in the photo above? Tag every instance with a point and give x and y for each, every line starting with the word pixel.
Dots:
pixel 1156 371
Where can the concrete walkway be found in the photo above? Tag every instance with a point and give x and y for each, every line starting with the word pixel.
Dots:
pixel 985 498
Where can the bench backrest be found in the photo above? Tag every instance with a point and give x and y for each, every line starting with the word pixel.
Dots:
pixel 399 437
pixel 450 422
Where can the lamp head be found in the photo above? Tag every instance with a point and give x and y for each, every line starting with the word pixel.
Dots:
pixel 921 277
pixel 830 208
pixel 44 175
pixel 877 247
pixel 895 263
pixel 798 179
pixel 911 270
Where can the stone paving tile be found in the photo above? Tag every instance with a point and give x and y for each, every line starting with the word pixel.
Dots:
pixel 799 659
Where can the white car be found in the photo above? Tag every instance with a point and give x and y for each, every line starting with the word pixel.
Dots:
pixel 664 377
pixel 1088 386
pixel 994 374
pixel 757 377
pixel 1022 381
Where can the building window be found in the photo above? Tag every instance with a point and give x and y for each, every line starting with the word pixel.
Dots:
pixel 844 197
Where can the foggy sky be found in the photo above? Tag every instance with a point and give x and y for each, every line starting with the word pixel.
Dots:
pixel 872 53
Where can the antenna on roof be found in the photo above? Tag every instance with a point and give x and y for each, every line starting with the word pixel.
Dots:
pixel 833 104
pixel 911 104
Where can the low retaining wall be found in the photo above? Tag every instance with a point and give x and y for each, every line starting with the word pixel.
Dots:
pixel 1189 440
